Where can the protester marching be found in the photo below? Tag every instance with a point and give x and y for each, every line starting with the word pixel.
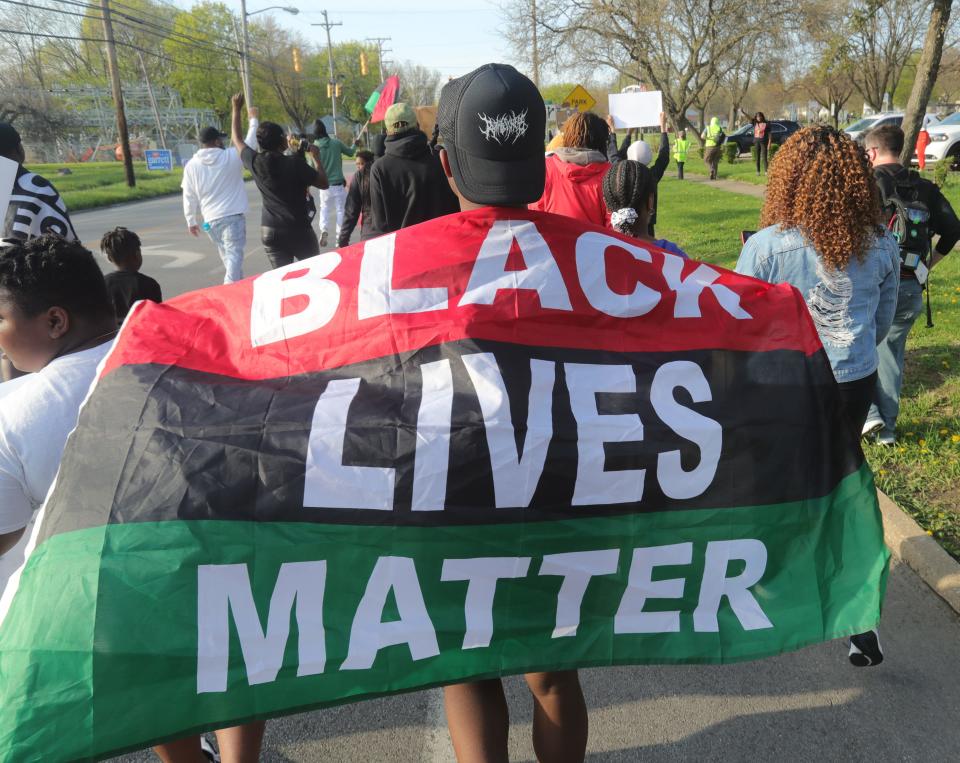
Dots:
pixel 468 412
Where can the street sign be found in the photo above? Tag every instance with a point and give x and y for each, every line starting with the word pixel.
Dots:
pixel 580 99
pixel 159 159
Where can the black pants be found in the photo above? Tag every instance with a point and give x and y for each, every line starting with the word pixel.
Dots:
pixel 856 397
pixel 762 151
pixel 284 245
pixel 680 170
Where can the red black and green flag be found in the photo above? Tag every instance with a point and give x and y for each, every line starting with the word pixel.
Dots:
pixel 497 442
pixel 382 98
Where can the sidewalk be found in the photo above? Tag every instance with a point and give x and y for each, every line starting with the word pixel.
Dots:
pixel 734 186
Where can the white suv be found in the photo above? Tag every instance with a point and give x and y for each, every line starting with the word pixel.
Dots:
pixel 944 140
pixel 857 130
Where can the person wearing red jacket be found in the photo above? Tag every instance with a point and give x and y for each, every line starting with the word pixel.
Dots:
pixel 923 140
pixel 574 184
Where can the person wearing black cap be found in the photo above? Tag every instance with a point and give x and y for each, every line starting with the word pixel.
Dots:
pixel 284 182
pixel 491 122
pixel 213 191
pixel 35 206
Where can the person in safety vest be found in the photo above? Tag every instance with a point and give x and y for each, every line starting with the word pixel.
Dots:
pixel 713 138
pixel 680 147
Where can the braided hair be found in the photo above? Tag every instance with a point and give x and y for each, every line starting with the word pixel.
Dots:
pixel 626 186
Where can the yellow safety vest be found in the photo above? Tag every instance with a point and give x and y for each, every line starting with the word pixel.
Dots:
pixel 712 135
pixel 680 148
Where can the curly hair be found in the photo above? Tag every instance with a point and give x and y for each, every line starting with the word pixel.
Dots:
pixel 586 130
pixel 48 271
pixel 822 184
pixel 120 245
pixel 628 184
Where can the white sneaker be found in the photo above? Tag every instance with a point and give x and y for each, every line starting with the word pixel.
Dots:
pixel 886 437
pixel 870 426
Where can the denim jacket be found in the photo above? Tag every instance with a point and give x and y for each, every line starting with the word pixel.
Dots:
pixel 852 308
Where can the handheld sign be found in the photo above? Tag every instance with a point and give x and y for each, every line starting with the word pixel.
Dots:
pixel 636 109
pixel 159 159
pixel 8 175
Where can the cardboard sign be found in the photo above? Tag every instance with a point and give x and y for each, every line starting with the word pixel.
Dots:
pixel 159 159
pixel 580 99
pixel 636 109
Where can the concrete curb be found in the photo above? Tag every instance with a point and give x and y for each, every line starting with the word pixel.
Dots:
pixel 910 543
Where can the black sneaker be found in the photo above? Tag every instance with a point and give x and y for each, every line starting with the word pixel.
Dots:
pixel 323 238
pixel 865 649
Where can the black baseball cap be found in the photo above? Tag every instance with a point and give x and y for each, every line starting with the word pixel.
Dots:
pixel 9 138
pixel 491 122
pixel 210 134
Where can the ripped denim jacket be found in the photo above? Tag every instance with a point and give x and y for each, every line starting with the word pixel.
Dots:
pixel 851 308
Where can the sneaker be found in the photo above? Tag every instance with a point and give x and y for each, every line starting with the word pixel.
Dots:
pixel 870 426
pixel 207 749
pixel 323 238
pixel 865 649
pixel 886 437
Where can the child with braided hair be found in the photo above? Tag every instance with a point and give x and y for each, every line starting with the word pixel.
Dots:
pixel 629 191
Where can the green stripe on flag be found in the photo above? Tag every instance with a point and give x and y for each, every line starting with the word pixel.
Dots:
pixel 295 608
pixel 371 103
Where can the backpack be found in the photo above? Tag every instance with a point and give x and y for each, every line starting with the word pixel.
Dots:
pixel 909 220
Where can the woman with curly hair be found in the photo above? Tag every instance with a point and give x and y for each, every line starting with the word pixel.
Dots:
pixel 822 235
pixel 575 171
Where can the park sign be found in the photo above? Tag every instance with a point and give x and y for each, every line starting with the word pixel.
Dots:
pixel 579 99
pixel 497 442
pixel 159 159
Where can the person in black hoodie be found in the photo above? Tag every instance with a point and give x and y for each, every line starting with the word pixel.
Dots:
pixel 407 186
pixel 358 201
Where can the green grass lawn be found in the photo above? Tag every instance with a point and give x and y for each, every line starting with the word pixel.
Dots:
pixel 922 472
pixel 98 184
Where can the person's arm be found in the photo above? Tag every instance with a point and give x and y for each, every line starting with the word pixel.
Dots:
pixel 253 122
pixel 236 128
pixel 351 211
pixel 381 222
pixel 943 222
pixel 191 203
pixel 15 507
pixel 318 177
pixel 889 288
pixel 663 155
pixel 347 150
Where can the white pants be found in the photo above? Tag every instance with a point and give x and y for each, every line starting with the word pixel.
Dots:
pixel 336 195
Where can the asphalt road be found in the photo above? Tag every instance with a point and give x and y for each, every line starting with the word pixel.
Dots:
pixel 810 705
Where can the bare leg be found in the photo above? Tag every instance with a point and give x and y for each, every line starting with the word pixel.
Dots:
pixel 478 720
pixel 186 750
pixel 560 722
pixel 241 744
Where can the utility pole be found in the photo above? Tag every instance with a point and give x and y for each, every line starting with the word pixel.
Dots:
pixel 153 101
pixel 117 94
pixel 327 24
pixel 378 41
pixel 245 54
pixel 244 81
pixel 536 51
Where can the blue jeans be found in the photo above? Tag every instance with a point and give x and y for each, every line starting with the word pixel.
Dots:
pixel 230 235
pixel 886 397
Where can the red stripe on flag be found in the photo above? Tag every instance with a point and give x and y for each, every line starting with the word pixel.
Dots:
pixel 210 330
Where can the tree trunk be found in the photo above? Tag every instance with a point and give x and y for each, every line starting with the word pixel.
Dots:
pixel 927 69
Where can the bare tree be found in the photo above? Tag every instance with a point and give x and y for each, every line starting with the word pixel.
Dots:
pixel 418 84
pixel 273 46
pixel 927 70
pixel 883 35
pixel 683 48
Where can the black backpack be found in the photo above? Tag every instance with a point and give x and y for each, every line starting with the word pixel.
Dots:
pixel 909 220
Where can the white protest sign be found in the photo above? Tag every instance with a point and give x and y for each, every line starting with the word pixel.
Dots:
pixel 8 174
pixel 636 109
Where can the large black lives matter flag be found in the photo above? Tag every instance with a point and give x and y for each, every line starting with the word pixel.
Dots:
pixel 497 442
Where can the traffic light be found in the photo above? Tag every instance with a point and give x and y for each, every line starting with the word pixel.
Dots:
pixel 329 90
pixel 363 63
pixel 339 90
pixel 297 67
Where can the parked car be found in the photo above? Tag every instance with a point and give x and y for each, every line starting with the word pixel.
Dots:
pixel 780 130
pixel 857 130
pixel 945 141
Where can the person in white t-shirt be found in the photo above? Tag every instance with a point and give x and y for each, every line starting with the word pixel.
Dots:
pixel 56 323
